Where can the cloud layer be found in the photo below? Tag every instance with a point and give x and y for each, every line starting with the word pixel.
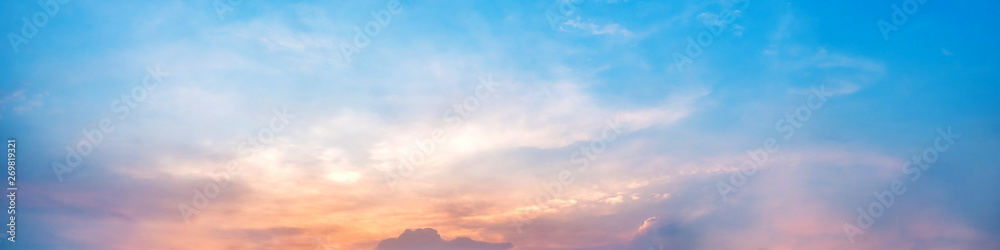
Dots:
pixel 525 123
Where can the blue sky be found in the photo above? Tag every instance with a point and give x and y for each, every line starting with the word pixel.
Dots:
pixel 331 179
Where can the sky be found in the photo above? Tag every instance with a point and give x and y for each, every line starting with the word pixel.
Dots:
pixel 558 124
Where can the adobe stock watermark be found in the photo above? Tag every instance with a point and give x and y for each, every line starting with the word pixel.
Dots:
pixel 363 36
pixel 885 198
pixel 29 28
pixel 561 12
pixel 759 156
pixel 93 138
pixel 221 180
pixel 12 186
pixel 581 158
pixel 224 7
pixel 696 45
pixel 899 17
pixel 456 116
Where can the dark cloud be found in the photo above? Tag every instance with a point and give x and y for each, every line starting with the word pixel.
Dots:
pixel 656 234
pixel 428 238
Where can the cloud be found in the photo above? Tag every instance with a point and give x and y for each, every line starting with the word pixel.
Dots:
pixel 614 200
pixel 19 101
pixel 655 234
pixel 321 178
pixel 595 29
pixel 428 238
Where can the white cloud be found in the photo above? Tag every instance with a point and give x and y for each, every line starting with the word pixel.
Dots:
pixel 614 200
pixel 595 29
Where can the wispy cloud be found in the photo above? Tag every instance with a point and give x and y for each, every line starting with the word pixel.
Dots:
pixel 654 186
